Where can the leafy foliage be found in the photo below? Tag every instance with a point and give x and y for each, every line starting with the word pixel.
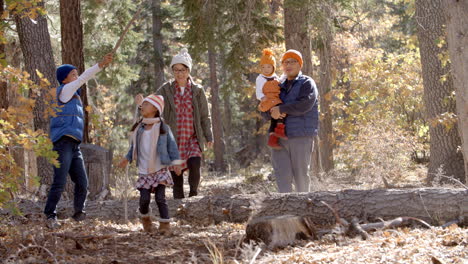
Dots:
pixel 16 130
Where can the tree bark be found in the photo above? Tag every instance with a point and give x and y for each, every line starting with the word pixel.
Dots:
pixel 14 57
pixel 158 45
pixel 432 205
pixel 37 51
pixel 438 96
pixel 296 31
pixel 3 85
pixel 325 56
pixel 457 29
pixel 71 29
pixel 435 206
pixel 227 124
pixel 274 7
pixel 296 17
pixel 216 112
pixel 98 163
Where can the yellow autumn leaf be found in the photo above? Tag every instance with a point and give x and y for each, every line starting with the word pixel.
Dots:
pixel 5 15
pixel 39 74
pixel 89 109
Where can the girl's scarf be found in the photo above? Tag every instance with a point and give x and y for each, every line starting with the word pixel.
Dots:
pixel 153 143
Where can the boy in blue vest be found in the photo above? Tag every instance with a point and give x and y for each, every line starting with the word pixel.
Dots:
pixel 66 133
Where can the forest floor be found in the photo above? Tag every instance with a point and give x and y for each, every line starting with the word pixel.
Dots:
pixel 24 239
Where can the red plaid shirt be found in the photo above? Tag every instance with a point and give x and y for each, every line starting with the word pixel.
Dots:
pixel 186 138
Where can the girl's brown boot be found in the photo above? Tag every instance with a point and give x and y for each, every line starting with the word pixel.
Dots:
pixel 147 224
pixel 165 228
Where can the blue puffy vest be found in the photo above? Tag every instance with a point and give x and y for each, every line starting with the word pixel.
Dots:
pixel 69 119
pixel 307 124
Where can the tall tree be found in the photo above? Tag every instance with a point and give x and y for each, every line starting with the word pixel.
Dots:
pixel 216 111
pixel 438 97
pixel 71 29
pixel 38 57
pixel 3 85
pixel 297 36
pixel 325 38
pixel 296 31
pixel 457 29
pixel 158 44
pixel 217 124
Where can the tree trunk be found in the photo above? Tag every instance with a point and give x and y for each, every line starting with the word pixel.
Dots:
pixel 297 37
pixel 14 57
pixel 158 45
pixel 98 163
pixel 71 29
pixel 216 112
pixel 457 29
pixel 325 56
pixel 296 31
pixel 37 52
pixel 435 206
pixel 260 139
pixel 227 124
pixel 438 94
pixel 274 7
pixel 3 85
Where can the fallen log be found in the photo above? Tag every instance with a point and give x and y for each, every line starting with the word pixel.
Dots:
pixel 433 205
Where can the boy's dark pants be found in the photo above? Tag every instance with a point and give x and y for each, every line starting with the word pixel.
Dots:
pixel 160 197
pixel 193 166
pixel 71 162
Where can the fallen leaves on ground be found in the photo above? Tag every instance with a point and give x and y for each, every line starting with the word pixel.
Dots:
pixel 94 242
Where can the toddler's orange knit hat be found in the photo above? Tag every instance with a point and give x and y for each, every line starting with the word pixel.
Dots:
pixel 268 58
pixel 292 54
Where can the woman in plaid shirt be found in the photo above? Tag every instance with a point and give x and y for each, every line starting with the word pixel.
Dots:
pixel 187 114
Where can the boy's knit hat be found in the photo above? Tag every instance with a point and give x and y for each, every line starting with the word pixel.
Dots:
pixel 293 54
pixel 63 71
pixel 268 58
pixel 183 57
pixel 157 101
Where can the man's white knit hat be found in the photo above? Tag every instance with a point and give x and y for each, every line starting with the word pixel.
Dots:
pixel 183 57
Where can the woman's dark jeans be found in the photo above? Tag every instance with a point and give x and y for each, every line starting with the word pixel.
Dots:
pixel 193 166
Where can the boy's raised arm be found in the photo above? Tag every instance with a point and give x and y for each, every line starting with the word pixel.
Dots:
pixel 70 88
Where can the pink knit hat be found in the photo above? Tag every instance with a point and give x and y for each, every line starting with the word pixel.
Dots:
pixel 157 101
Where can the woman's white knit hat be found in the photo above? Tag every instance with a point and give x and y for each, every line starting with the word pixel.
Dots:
pixel 183 57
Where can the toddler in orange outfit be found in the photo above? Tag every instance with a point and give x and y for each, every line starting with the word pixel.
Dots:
pixel 268 91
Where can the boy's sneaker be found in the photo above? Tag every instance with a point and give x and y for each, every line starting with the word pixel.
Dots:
pixel 52 223
pixel 79 216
